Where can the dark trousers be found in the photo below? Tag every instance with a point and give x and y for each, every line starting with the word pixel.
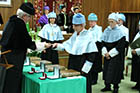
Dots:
pixel 13 81
pixel 94 77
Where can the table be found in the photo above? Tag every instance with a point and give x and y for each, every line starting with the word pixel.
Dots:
pixel 31 83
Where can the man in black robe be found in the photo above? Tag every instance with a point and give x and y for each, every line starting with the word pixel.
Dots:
pixel 113 40
pixel 16 38
pixel 135 73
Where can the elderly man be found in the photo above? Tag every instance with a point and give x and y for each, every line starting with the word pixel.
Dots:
pixel 113 40
pixel 16 38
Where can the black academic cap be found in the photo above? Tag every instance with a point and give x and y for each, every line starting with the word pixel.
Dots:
pixel 75 8
pixel 28 8
pixel 62 6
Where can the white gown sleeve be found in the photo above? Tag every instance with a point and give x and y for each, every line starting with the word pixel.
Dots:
pixel 113 52
pixel 137 51
pixel 129 54
pixel 60 47
pixel 104 51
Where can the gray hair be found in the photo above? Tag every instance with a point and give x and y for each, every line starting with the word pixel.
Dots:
pixel 21 13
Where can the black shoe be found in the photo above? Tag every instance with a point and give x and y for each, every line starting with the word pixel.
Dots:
pixel 105 89
pixel 115 91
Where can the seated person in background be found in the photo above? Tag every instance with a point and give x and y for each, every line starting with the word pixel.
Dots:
pixel 62 19
pixel 44 18
pixel 70 17
pixel 81 48
pixel 51 33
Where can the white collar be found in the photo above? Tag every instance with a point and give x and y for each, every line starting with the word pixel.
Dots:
pixel 53 25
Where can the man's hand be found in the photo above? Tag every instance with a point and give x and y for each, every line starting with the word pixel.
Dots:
pixel 134 52
pixel 107 55
pixel 48 45
pixel 44 51
pixel 54 45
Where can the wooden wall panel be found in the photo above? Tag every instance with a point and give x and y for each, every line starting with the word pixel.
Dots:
pixel 103 7
pixel 99 7
pixel 130 5
pixel 6 12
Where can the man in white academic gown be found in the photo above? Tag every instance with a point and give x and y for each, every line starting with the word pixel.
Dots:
pixel 121 21
pixel 81 48
pixel 96 32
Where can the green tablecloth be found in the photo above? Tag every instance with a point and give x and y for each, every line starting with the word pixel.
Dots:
pixel 31 84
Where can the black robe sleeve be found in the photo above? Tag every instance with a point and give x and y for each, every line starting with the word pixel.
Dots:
pixel 121 45
pixel 1 20
pixel 15 35
pixel 8 30
pixel 90 57
pixel 28 40
pixel 60 19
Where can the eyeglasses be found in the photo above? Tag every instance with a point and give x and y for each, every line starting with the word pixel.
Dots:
pixel 28 15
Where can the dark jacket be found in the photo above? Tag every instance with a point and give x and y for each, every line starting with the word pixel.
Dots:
pixel 16 38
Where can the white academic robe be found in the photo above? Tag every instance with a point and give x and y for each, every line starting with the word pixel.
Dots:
pixel 96 32
pixel 111 35
pixel 126 31
pixel 51 32
pixel 79 44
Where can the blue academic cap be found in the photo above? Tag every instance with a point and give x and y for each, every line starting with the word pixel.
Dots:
pixel 122 17
pixel 92 17
pixel 78 19
pixel 113 16
pixel 52 15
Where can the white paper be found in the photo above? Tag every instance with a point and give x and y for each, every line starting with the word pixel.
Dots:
pixel 40 46
pixel 87 66
pixel 74 77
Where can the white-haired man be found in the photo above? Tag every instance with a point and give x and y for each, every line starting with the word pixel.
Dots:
pixel 113 40
pixel 16 38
